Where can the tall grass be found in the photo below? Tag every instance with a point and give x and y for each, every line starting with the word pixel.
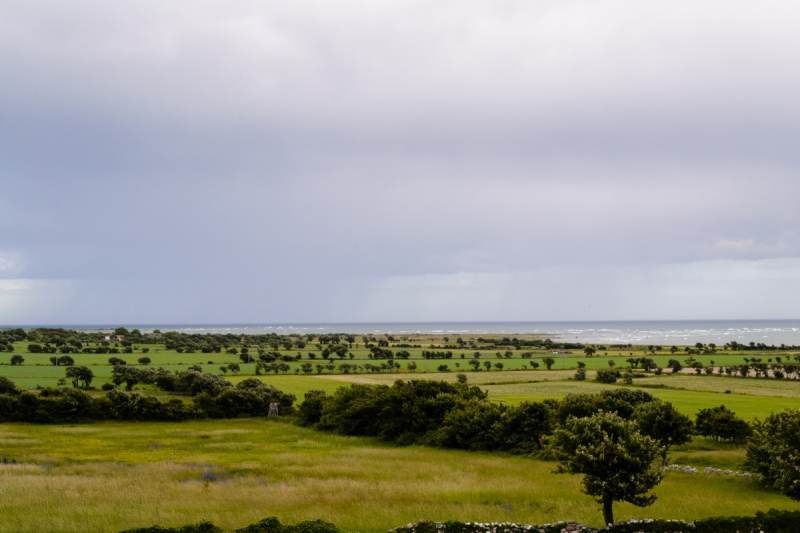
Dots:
pixel 107 477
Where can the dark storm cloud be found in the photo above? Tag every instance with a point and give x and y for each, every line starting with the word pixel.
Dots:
pixel 206 161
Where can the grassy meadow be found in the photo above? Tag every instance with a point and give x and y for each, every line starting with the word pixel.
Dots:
pixel 109 476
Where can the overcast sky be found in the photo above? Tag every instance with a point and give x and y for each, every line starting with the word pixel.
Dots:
pixel 248 161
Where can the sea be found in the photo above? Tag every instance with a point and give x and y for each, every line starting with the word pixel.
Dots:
pixel 681 332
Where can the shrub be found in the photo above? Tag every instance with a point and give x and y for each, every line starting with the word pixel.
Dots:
pixel 606 375
pixel 7 386
pixel 108 386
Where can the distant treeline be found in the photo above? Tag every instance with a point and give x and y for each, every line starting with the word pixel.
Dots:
pixel 212 397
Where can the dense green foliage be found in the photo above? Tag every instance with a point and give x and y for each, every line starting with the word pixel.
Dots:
pixel 251 397
pixel 267 525
pixel 774 452
pixel 664 424
pixel 615 459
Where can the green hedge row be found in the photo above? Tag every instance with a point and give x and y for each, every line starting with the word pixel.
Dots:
pixel 267 525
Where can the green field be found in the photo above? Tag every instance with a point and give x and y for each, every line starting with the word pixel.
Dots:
pixel 38 371
pixel 109 476
pixel 106 477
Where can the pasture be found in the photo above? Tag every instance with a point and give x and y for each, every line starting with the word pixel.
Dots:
pixel 105 477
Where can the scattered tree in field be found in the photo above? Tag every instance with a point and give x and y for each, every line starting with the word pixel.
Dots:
pixel 64 360
pixel 611 363
pixel 144 360
pixel 616 460
pixel 627 377
pixel 81 376
pixel 488 365
pixel 445 368
pixel 498 366
pixel 648 364
pixel 461 378
pixel 234 368
pixel 606 375
pixel 589 351
pixel 721 423
pixel 412 366
pixel 224 369
pixel 475 364
pixel 17 359
pixel 549 361
pixel 580 374
pixel 663 423
pixel 675 365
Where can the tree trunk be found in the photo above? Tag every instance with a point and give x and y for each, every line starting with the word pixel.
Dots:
pixel 664 458
pixel 608 512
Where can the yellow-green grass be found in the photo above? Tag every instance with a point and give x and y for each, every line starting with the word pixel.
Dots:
pixel 109 476
pixel 686 401
pixel 789 388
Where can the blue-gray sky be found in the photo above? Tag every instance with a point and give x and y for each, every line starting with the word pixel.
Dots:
pixel 244 161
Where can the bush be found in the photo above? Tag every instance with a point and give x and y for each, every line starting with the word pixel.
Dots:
pixel 7 386
pixel 606 375
pixel 267 525
pixel 774 452
pixel 201 527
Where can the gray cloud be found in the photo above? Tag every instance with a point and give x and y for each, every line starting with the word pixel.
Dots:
pixel 206 161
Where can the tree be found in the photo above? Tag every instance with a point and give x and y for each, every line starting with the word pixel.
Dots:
pixel 7 386
pixel 675 365
pixel 720 423
pixel 81 376
pixel 580 374
pixel 412 366
pixel 611 363
pixel 17 359
pixel 663 423
pixel 144 360
pixel 614 457
pixel 549 361
pixel 498 366
pixel 474 363
pixel 774 452
pixel 461 378
pixel 589 351
pixel 224 369
pixel 606 375
pixel 627 377
pixel 648 364
pixel 234 368
pixel 488 365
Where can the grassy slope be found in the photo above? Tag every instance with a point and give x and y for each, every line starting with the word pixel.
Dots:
pixel 106 477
